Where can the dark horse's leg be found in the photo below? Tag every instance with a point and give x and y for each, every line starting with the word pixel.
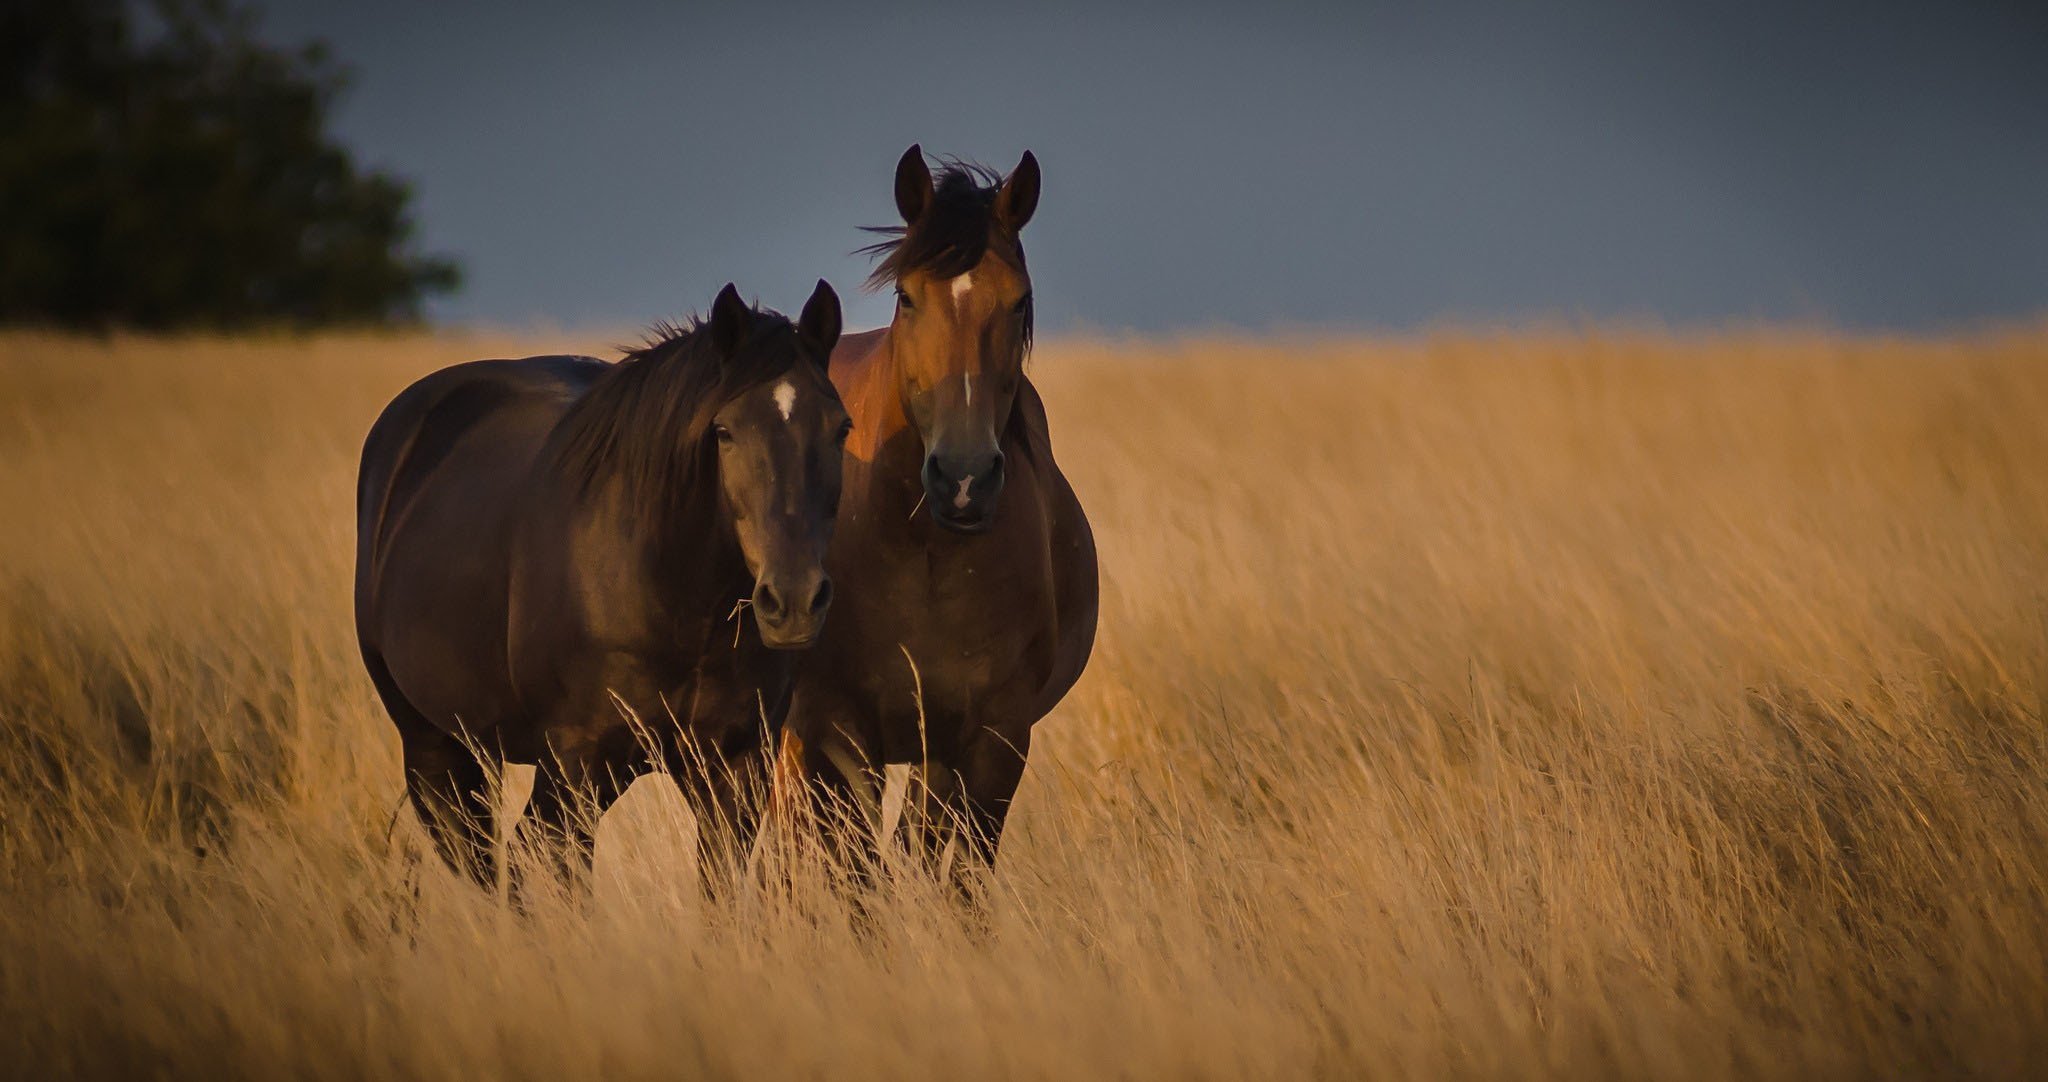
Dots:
pixel 931 812
pixel 559 832
pixel 450 790
pixel 446 782
pixel 728 795
pixel 838 793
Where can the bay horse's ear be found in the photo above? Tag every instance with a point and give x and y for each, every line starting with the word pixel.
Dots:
pixel 913 185
pixel 1019 194
pixel 818 327
pixel 730 318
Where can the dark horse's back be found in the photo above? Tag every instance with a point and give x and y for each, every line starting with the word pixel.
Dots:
pixel 442 472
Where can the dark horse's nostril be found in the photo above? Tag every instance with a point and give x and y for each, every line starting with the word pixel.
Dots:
pixel 822 598
pixel 767 603
pixel 995 468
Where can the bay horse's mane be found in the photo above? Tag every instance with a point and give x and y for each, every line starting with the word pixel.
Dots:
pixel 952 234
pixel 641 418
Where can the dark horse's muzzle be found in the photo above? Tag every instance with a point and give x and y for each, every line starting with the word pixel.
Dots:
pixel 790 609
pixel 962 489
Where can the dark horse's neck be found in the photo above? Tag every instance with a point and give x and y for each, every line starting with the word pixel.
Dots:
pixel 647 526
pixel 685 549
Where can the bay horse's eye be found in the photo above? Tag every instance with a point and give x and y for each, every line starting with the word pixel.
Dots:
pixel 1023 305
pixel 903 299
pixel 723 433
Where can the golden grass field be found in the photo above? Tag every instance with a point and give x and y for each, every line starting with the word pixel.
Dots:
pixel 1562 704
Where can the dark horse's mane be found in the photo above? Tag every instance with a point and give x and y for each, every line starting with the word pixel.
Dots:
pixel 641 419
pixel 951 236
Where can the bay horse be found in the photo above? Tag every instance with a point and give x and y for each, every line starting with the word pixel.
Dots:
pixel 552 554
pixel 968 571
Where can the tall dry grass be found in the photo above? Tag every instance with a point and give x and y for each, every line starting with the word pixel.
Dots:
pixel 1564 705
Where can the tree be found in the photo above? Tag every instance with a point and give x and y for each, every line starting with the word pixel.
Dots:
pixel 160 168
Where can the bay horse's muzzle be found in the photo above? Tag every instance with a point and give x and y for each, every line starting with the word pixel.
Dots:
pixel 962 489
pixel 786 624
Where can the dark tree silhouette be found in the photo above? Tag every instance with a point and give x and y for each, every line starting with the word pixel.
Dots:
pixel 160 168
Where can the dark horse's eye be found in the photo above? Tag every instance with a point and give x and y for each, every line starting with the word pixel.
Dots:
pixel 845 430
pixel 903 299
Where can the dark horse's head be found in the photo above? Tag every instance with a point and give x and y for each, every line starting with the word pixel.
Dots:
pixel 734 416
pixel 778 442
pixel 963 323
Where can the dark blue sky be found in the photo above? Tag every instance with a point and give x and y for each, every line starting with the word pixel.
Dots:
pixel 1879 165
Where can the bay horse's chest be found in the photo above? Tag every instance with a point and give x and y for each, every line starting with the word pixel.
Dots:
pixel 987 608
pixel 953 629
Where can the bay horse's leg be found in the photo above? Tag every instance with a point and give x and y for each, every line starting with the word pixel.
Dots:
pixel 559 832
pixel 991 765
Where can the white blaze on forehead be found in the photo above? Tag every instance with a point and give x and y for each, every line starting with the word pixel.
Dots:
pixel 961 285
pixel 785 398
pixel 960 498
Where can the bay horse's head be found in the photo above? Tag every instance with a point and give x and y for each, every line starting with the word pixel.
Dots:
pixel 777 434
pixel 962 325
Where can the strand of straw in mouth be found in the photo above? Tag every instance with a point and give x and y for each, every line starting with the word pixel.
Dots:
pixel 737 606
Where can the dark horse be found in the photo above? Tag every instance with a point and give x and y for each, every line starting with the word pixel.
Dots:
pixel 968 575
pixel 551 556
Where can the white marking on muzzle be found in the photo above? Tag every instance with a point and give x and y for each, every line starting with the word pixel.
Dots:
pixel 968 378
pixel 960 498
pixel 785 398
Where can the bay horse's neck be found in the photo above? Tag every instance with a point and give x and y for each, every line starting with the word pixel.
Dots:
pixel 883 438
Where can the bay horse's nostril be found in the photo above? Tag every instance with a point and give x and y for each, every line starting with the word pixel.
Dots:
pixel 822 598
pixel 944 473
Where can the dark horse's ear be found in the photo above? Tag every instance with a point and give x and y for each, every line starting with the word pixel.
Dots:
pixel 1019 194
pixel 913 185
pixel 730 319
pixel 818 327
